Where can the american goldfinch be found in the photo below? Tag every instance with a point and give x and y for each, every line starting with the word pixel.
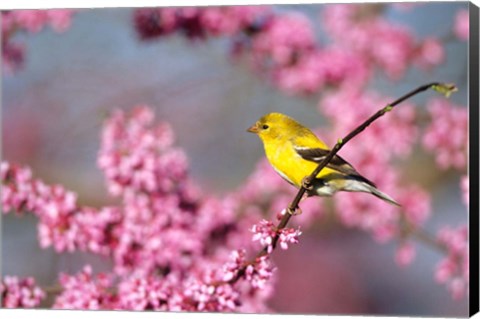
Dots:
pixel 294 152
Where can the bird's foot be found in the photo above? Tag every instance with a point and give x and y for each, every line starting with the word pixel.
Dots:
pixel 294 212
pixel 307 184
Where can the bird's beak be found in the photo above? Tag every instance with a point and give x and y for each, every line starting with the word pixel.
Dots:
pixel 253 129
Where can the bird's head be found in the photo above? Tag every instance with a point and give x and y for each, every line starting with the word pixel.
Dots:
pixel 274 125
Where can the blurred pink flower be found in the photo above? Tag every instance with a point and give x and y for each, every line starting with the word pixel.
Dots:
pixel 405 6
pixel 462 25
pixel 430 53
pixel 394 134
pixel 152 23
pixel 367 213
pixel 60 19
pixel 447 134
pixel 85 291
pixel 359 29
pixel 284 40
pixel 137 157
pixel 20 293
pixel 405 254
pixel 453 270
pixel 259 273
pixel 416 206
pixel 32 21
pixel 13 56
pixel 229 20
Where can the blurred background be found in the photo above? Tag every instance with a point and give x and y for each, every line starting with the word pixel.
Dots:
pixel 52 111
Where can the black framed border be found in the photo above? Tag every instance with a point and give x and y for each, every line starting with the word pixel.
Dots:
pixel 474 161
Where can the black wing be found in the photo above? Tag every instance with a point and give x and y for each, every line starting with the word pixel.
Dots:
pixel 336 163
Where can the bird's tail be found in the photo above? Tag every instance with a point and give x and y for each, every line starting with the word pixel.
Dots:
pixel 360 186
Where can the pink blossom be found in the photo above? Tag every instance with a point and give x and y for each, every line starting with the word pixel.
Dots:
pixel 430 53
pixel 405 254
pixel 196 23
pixel 31 21
pixel 13 56
pixel 462 25
pixel 390 47
pixel 129 154
pixel 405 6
pixel 416 207
pixel 395 134
pixel 85 291
pixel 265 231
pixel 447 134
pixel 20 293
pixel 453 269
pixel 152 23
pixel 230 20
pixel 60 19
pixel 231 268
pixel 17 188
pixel 207 297
pixel 284 40
pixel 288 236
pixel 320 68
pixel 96 229
pixel 260 272
pixel 368 213
pixel 62 223
pixel 143 293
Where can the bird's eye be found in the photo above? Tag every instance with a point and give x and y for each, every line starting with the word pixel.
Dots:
pixel 265 126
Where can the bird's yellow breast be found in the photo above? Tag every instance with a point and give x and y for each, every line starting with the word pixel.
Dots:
pixel 286 161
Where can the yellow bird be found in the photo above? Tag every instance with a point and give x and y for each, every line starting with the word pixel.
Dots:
pixel 295 151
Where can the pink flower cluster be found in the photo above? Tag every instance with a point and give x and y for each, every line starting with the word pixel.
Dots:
pixel 461 27
pixel 393 135
pixel 360 29
pixel 197 23
pixel 281 46
pixel 198 291
pixel 265 231
pixel 31 21
pixel 165 237
pixel 453 270
pixel 405 253
pixel 85 291
pixel 447 134
pixel 20 293
pixel 137 157
pixel 62 224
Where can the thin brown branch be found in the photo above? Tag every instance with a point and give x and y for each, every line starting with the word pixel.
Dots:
pixel 426 238
pixel 407 230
